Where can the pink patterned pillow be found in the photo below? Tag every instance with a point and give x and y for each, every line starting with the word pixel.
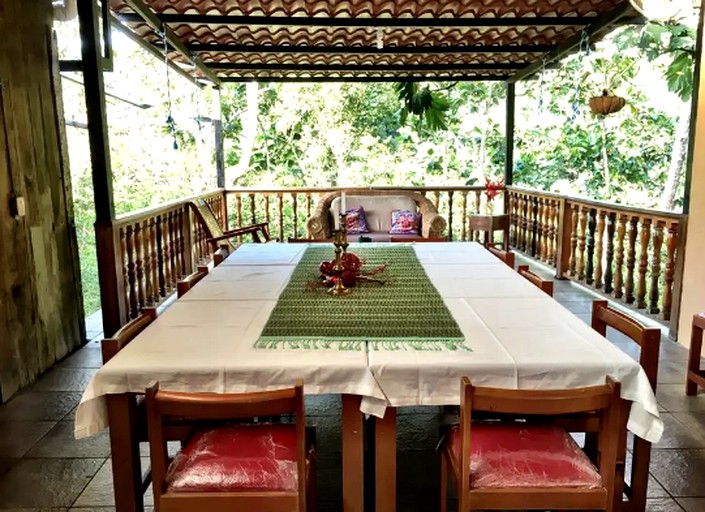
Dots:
pixel 356 221
pixel 405 222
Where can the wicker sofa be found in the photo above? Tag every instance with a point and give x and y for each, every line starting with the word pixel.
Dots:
pixel 378 205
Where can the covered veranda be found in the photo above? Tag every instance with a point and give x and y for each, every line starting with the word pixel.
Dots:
pixel 622 252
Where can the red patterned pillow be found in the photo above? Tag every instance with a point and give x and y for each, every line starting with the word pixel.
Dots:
pixel 356 221
pixel 405 222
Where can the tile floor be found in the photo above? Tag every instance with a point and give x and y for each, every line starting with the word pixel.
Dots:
pixel 43 468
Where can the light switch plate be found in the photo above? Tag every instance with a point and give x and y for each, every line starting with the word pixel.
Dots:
pixel 17 206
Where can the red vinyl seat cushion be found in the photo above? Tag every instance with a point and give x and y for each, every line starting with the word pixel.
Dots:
pixel 515 455
pixel 258 457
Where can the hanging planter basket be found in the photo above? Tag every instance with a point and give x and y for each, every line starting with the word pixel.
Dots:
pixel 606 104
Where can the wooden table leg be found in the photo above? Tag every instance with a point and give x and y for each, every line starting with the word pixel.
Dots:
pixel 353 455
pixel 386 462
pixel 125 450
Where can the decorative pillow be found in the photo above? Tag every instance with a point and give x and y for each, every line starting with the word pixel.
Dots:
pixel 356 221
pixel 405 222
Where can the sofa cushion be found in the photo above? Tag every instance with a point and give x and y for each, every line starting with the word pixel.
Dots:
pixel 378 209
pixel 405 222
pixel 356 221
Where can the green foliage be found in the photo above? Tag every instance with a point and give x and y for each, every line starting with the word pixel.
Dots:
pixel 429 106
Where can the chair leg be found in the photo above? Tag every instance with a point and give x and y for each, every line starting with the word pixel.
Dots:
pixel 696 344
pixel 590 447
pixel 444 483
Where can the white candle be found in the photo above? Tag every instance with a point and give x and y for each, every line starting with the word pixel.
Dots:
pixel 343 207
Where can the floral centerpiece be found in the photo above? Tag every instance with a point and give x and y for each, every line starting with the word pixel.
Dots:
pixel 492 190
pixel 352 273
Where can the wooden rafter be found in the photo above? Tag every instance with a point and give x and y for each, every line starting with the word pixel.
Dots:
pixel 471 48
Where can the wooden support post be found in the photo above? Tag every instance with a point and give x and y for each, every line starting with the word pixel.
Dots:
pixel 563 247
pixel 100 162
pixel 509 136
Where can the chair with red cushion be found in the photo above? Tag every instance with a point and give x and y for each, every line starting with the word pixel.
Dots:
pixel 506 256
pixel 520 464
pixel 227 466
pixel 188 282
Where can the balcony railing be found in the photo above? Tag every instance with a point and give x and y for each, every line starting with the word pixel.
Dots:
pixel 627 253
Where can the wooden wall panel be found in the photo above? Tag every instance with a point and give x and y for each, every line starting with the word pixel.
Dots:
pixel 41 310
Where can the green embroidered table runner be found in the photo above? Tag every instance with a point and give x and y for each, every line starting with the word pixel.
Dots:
pixel 406 312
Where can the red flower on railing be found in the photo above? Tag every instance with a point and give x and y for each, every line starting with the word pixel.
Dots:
pixel 493 188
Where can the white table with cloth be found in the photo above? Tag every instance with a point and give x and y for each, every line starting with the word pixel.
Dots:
pixel 515 337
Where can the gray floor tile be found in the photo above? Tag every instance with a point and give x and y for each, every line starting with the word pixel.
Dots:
pixel 65 379
pixel 88 356
pixel 39 406
pixel 60 442
pixel 93 509
pixel 692 504
pixel 46 482
pixel 671 372
pixel 418 432
pixel 18 437
pixel 681 434
pixel 99 491
pixel 662 505
pixel 673 399
pixel 323 405
pixel 51 509
pixel 680 471
pixel 6 464
pixel 653 488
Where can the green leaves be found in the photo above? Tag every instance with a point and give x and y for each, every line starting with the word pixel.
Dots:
pixel 429 106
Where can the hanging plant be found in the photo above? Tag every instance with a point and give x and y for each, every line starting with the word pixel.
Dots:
pixel 606 104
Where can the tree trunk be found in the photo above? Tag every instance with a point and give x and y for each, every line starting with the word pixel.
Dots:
pixel 679 154
pixel 249 132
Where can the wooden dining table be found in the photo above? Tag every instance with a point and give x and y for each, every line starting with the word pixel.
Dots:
pixel 515 337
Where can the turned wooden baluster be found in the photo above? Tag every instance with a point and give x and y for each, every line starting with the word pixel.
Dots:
pixel 644 237
pixel 599 246
pixel 522 222
pixel 533 243
pixel 172 251
pixel 139 270
pixel 611 221
pixel 631 259
pixel 294 198
pixel 450 215
pixel 550 231
pixel 574 215
pixel 309 205
pixel 589 265
pixel 179 263
pixel 166 248
pixel 280 205
pixel 478 195
pixel 253 209
pixel 512 219
pixel 132 293
pixel 238 208
pixel 671 243
pixel 543 228
pixel 123 259
pixel 266 208
pixel 436 199
pixel 464 234
pixel 656 267
pixel 161 270
pixel 619 259
pixel 154 266
pixel 538 232
pixel 582 216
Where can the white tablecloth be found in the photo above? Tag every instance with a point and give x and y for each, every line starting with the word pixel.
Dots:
pixel 519 338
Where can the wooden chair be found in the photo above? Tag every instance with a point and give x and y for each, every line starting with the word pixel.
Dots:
pixel 506 256
pixel 215 236
pixel 190 281
pixel 695 376
pixel 111 346
pixel 649 341
pixel 546 285
pixel 540 466
pixel 225 466
pixel 416 239
pixel 488 224
pixel 220 255
pixel 310 240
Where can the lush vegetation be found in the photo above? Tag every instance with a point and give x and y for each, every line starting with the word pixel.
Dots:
pixel 281 135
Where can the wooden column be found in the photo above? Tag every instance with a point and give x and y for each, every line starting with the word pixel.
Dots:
pixel 110 286
pixel 509 135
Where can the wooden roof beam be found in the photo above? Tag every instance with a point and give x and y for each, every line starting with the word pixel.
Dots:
pixel 307 21
pixel 366 79
pixel 601 25
pixel 373 50
pixel 146 15
pixel 364 67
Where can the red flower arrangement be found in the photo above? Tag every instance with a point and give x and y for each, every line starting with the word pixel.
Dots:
pixel 352 273
pixel 493 188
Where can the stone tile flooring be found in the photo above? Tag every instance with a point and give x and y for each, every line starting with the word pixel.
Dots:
pixel 43 468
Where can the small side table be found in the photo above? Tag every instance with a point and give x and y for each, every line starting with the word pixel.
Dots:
pixel 695 376
pixel 489 224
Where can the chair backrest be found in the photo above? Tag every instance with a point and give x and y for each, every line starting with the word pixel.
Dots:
pixel 169 408
pixel 648 338
pixel 190 281
pixel 221 255
pixel 308 241
pixel 207 218
pixel 506 256
pixel 111 346
pixel 603 401
pixel 546 285
pixel 416 239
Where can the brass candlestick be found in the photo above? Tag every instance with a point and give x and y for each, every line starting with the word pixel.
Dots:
pixel 341 246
